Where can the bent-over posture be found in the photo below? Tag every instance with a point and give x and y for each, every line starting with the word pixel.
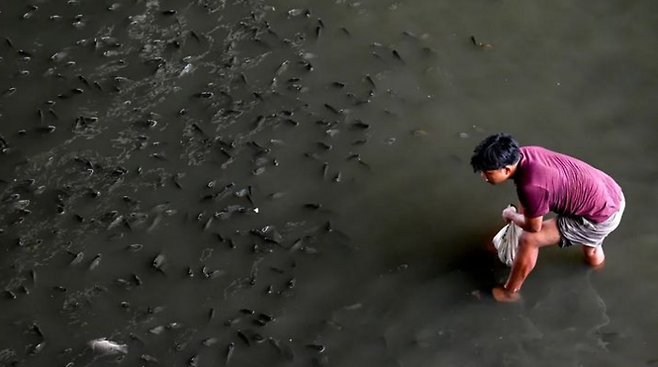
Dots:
pixel 589 204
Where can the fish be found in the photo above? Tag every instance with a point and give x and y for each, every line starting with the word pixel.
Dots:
pixel 95 262
pixel 147 358
pixel 38 348
pixel 316 347
pixel 37 330
pixel 159 262
pixel 77 259
pixel 480 44
pixel 230 348
pixel 282 68
pixel 333 109
pixel 107 347
pixel 370 81
pixel 244 337
pixel 137 279
pixel 397 55
pixel 360 124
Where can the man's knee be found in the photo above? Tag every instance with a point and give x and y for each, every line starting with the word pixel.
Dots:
pixel 526 240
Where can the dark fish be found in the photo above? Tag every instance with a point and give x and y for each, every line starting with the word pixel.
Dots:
pixel 209 342
pixel 265 318
pixel 77 259
pixel 333 109
pixel 370 81
pixel 243 337
pixel 325 169
pixel 9 92
pixel 346 31
pixel 95 262
pixel 176 180
pixel 480 44
pixel 137 279
pixel 37 330
pixel 205 94
pixel 229 352
pixel 147 358
pixel 38 348
pixel 316 347
pixel 324 145
pixel 306 65
pixel 24 289
pixel 158 262
pixel 282 68
pixel 315 206
pixel 46 129
pixel 410 34
pixel 168 12
pixel 397 55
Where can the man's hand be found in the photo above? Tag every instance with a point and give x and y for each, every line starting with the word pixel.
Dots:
pixel 501 294
pixel 509 213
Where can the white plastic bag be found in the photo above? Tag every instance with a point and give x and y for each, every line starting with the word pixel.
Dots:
pixel 506 242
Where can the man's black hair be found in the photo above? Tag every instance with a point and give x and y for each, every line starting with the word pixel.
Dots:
pixel 495 152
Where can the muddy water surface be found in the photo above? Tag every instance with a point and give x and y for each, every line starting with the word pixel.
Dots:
pixel 259 183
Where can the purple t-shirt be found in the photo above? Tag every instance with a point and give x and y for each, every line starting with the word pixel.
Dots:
pixel 549 181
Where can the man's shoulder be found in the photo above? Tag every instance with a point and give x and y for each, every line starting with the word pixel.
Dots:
pixel 536 149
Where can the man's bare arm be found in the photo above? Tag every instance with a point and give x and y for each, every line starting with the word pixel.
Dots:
pixel 527 224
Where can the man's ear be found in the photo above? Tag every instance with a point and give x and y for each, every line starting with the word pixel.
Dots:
pixel 507 169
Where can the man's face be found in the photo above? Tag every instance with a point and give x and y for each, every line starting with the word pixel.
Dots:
pixel 496 176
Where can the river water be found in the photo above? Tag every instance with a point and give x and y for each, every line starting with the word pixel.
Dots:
pixel 286 183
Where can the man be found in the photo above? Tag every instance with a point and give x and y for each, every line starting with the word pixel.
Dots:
pixel 589 204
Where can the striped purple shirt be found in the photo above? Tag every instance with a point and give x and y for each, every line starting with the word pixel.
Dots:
pixel 548 181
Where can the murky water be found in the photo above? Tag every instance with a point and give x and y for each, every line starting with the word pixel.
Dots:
pixel 262 183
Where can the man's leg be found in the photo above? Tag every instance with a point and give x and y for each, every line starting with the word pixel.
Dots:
pixel 594 256
pixel 528 251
